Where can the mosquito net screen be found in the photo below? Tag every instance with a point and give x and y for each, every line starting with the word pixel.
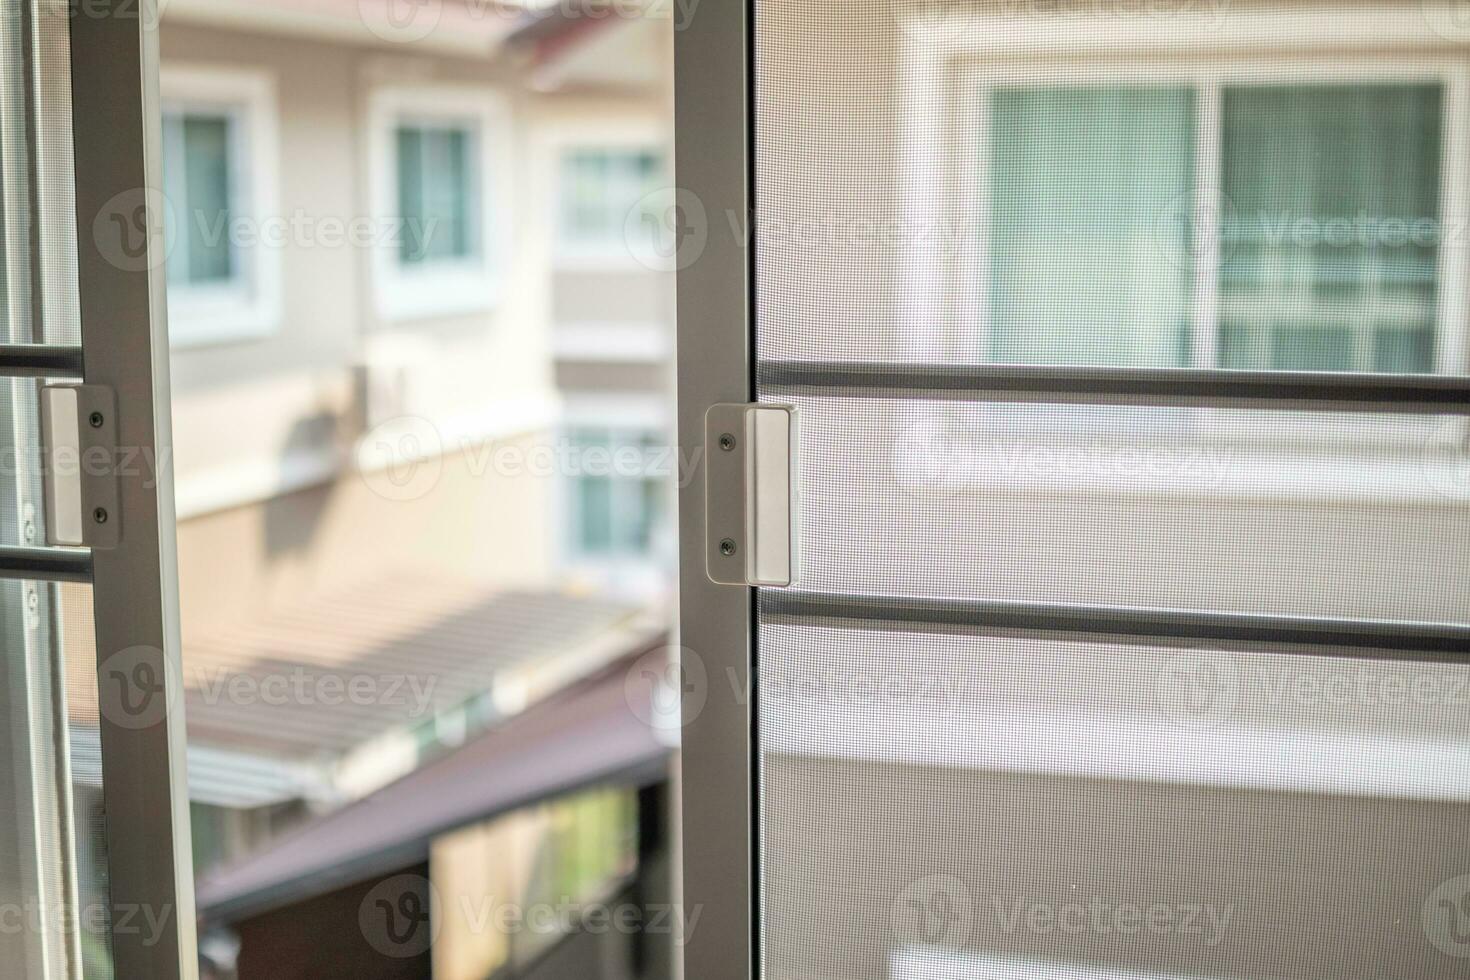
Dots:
pixel 1036 708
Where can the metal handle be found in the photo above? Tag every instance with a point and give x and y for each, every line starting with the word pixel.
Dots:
pixel 752 494
pixel 79 468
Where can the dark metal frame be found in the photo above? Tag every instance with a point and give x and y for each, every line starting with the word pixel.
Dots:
pixel 1277 390
pixel 1372 639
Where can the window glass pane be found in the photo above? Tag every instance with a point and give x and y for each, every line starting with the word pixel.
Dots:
pixel 594 506
pixel 600 188
pixel 411 193
pixel 435 193
pixel 1079 179
pixel 1331 204
pixel 207 193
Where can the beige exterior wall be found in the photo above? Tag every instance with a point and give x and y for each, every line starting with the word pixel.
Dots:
pixel 266 430
pixel 470 523
pixel 280 403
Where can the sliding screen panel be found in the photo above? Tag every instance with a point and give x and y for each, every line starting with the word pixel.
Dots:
pixel 1130 351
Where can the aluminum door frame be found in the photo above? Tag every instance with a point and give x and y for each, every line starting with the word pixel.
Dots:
pixel 713 171
pixel 117 149
pixel 714 140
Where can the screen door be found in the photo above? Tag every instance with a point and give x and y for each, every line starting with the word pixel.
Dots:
pixel 94 858
pixel 1129 347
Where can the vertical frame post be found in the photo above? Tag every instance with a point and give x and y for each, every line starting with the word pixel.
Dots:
pixel 116 138
pixel 713 167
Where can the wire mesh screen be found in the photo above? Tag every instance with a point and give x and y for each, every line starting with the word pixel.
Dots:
pixel 1266 188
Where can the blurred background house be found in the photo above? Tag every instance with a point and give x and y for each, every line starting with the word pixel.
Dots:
pixel 420 303
pixel 421 325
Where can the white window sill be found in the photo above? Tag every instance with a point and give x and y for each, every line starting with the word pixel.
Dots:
pixel 196 323
pixel 433 293
pixel 615 256
pixel 935 963
pixel 620 343
pixel 1122 746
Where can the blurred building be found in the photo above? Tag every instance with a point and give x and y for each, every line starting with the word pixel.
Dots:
pixel 419 305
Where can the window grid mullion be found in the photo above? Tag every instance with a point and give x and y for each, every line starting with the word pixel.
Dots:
pixel 1209 212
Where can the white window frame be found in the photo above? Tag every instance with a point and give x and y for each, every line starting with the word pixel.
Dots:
pixel 626 492
pixel 250 306
pixel 1450 354
pixel 616 134
pixel 614 249
pixel 946 57
pixel 444 288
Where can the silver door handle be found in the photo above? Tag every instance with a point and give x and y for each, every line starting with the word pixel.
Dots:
pixel 79 465
pixel 752 494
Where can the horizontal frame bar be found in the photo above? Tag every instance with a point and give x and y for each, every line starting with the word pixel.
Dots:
pixel 1372 639
pixel 40 361
pixel 46 564
pixel 1278 390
